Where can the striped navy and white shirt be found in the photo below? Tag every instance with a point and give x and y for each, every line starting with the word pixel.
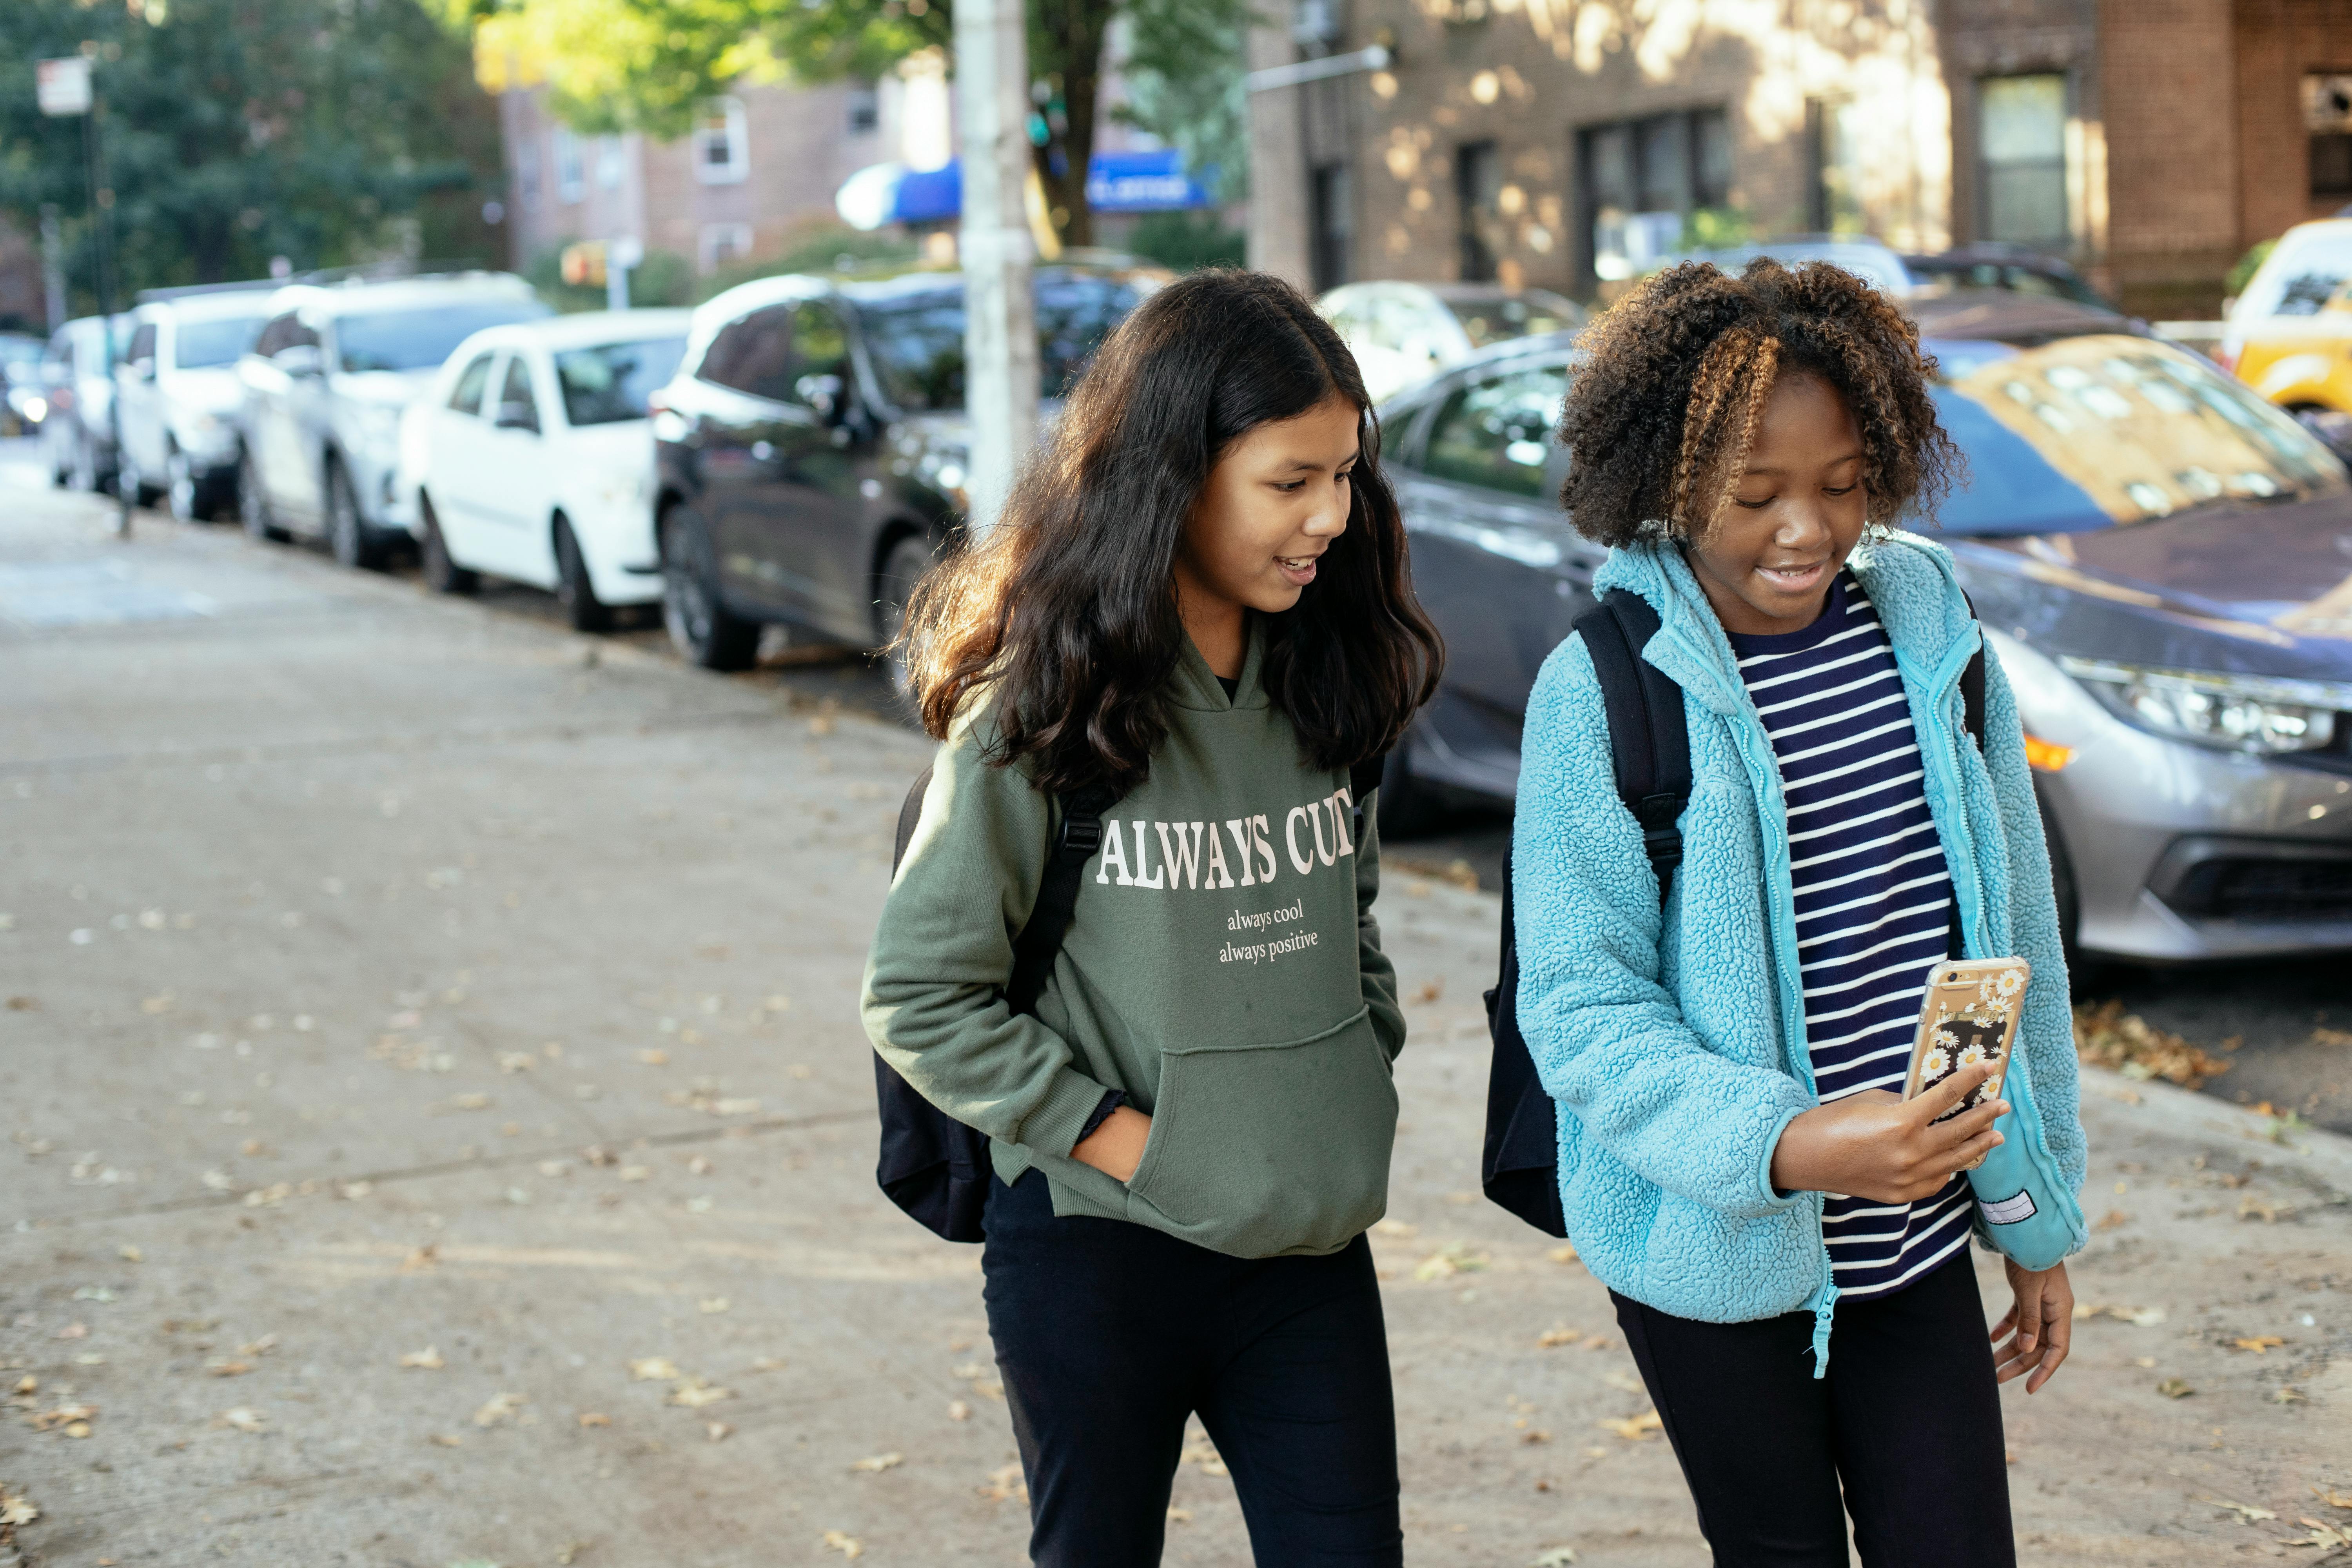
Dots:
pixel 1873 899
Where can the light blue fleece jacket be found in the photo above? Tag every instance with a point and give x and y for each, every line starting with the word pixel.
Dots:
pixel 1674 1040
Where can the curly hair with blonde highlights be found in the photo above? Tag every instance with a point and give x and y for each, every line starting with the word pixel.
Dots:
pixel 1674 377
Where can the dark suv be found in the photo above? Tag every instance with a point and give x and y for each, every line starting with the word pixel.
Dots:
pixel 811 448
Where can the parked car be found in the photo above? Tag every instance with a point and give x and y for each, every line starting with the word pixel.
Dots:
pixel 181 395
pixel 2007 267
pixel 1400 332
pixel 2158 557
pixel 811 448
pixel 529 457
pixel 1869 260
pixel 20 382
pixel 2287 334
pixel 77 430
pixel 324 385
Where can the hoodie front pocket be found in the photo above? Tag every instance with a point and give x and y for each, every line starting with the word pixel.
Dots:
pixel 1261 1149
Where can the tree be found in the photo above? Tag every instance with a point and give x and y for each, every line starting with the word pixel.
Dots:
pixel 240 130
pixel 644 65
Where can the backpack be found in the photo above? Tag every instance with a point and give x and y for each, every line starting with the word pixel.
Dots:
pixel 931 1166
pixel 1649 754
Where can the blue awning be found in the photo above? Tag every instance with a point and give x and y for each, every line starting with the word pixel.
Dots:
pixel 1132 182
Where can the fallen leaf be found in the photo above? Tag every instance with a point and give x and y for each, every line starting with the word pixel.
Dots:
pixel 701 1165
pixel 1535 1434
pixel 2112 1220
pixel 1636 1429
pixel 245 1418
pixel 2334 1499
pixel 1397 1228
pixel 421 1259
pixel 2105 1036
pixel 2323 1535
pixel 2260 1344
pixel 1556 1557
pixel 130 1254
pixel 470 1102
pixel 261 1346
pixel 593 1418
pixel 517 1061
pixel 447 1439
pixel 970 1369
pixel 2174 1388
pixel 713 1304
pixel 1563 1255
pixel 693 1392
pixel 2146 1317
pixel 1552 1338
pixel 1004 1485
pixel 2252 1207
pixel 2318 1036
pixel 2288 1395
pixel 64 1417
pixel 571 1553
pixel 228 1368
pixel 2246 1511
pixel 652 1368
pixel 427 1360
pixel 1200 1451
pixel 73 1331
pixel 1445 1264
pixel 17 1509
pixel 768 1364
pixel 500 1407
pixel 875 1464
pixel 958 1411
pixel 835 1541
pixel 654 1059
pixel 635 1173
pixel 717 1430
pixel 1180 1516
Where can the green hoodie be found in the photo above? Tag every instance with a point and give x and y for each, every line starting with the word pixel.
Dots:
pixel 1223 968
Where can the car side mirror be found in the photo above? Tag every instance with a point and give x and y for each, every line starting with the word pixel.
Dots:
pixel 143 369
pixel 518 416
pixel 300 359
pixel 824 393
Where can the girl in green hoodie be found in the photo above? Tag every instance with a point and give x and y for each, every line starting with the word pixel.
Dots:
pixel 1196 602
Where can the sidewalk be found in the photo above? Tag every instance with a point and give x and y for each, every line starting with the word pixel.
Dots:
pixel 441 1134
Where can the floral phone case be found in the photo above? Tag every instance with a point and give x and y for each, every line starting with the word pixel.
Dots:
pixel 1970 1016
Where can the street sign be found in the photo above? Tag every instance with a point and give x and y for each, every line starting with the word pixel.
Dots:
pixel 62 86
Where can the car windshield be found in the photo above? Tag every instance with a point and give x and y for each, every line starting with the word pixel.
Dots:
pixel 423 335
pixel 1514 316
pixel 2087 432
pixel 19 351
pixel 201 345
pixel 610 382
pixel 916 341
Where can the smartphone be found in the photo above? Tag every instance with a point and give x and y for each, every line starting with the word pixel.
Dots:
pixel 1969 1015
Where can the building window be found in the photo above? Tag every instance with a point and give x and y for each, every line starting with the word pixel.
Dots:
pixel 527 177
pixel 2021 159
pixel 609 162
pixel 1335 227
pixel 2327 117
pixel 1639 180
pixel 1833 133
pixel 1478 187
pixel 723 243
pixel 722 144
pixel 570 187
pixel 865 110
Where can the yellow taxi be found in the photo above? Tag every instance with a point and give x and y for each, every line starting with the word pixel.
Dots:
pixel 2289 335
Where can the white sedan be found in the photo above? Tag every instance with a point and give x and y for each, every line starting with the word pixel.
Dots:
pixel 530 458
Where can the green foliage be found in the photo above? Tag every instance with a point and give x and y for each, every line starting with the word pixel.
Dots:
pixel 1716 228
pixel 2243 272
pixel 1184 69
pixel 1188 241
pixel 822 249
pixel 240 130
pixel 663 278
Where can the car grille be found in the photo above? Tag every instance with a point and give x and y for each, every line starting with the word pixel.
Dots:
pixel 2266 889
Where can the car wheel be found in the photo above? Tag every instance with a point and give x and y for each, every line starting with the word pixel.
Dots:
pixel 442 573
pixel 253 501
pixel 1408 807
pixel 573 591
pixel 703 629
pixel 355 544
pixel 902 568
pixel 2070 905
pixel 181 494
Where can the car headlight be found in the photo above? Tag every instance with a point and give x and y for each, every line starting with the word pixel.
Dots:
pixel 2227 713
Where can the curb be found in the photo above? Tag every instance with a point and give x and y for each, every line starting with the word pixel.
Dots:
pixel 2321 1158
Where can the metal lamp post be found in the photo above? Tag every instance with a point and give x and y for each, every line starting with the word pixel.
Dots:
pixel 64 89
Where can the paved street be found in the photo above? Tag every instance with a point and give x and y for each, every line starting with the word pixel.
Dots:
pixel 441 1134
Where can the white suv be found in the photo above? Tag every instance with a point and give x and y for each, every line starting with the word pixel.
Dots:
pixel 180 395
pixel 324 388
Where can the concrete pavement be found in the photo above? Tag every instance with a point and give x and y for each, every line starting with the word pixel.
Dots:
pixel 441 1134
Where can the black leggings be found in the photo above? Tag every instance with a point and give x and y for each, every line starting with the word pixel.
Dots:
pixel 1109 1335
pixel 1908 1418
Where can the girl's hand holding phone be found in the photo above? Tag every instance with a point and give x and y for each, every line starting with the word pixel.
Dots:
pixel 1878 1145
pixel 1116 1148
pixel 2040 1323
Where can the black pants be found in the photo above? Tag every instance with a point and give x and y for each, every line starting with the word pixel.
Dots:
pixel 1908 1418
pixel 1110 1335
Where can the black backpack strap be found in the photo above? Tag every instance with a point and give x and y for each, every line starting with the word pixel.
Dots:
pixel 1362 780
pixel 1040 942
pixel 910 811
pixel 1648 743
pixel 1972 681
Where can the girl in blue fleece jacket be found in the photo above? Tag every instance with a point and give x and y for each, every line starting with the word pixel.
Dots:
pixel 1785 1238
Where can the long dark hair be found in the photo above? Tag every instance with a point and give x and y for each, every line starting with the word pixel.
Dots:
pixel 1063 614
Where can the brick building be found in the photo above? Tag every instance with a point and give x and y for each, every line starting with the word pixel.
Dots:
pixel 1563 142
